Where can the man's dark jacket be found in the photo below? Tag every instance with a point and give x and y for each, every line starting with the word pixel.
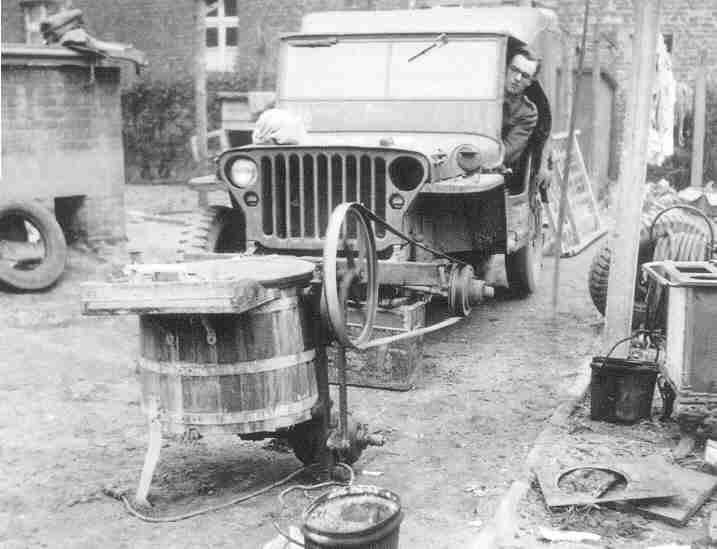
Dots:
pixel 520 115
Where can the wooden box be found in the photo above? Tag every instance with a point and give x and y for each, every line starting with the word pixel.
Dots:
pixel 397 366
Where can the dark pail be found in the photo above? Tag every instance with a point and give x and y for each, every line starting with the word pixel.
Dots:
pixel 621 390
pixel 359 517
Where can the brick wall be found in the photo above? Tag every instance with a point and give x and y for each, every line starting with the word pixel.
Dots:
pixel 62 136
pixel 692 24
pixel 161 28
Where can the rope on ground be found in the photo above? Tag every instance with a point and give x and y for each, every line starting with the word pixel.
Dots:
pixel 245 497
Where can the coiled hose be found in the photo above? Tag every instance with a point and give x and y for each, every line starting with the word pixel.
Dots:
pixel 679 241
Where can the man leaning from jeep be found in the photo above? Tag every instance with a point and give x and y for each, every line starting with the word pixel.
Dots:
pixel 520 115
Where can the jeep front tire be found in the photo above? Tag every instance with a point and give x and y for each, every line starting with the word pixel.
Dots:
pixel 218 229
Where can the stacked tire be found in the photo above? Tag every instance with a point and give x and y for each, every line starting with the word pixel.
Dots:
pixel 678 235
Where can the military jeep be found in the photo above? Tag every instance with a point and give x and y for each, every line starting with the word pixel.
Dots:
pixel 403 112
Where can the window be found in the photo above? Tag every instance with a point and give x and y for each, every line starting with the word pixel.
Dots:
pixel 35 11
pixel 222 35
pixel 380 69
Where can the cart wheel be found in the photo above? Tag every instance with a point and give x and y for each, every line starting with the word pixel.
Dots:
pixel 351 287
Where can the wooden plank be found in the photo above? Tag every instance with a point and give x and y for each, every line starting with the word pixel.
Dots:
pixel 595 82
pixel 200 82
pixel 694 489
pixel 626 232
pixel 582 225
pixel 698 138
pixel 174 297
pixel 644 481
pixel 568 154
pixel 589 182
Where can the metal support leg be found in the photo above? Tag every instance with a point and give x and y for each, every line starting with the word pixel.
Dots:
pixel 326 460
pixel 152 456
pixel 343 397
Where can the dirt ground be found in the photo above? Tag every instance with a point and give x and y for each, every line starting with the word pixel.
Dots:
pixel 582 440
pixel 70 421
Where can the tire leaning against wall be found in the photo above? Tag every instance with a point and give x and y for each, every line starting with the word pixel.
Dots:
pixel 48 271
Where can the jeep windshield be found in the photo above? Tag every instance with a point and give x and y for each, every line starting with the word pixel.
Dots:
pixel 361 68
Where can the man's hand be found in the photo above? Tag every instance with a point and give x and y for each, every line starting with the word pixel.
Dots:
pixel 543 179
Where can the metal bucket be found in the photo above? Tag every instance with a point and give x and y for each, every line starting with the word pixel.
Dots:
pixel 621 390
pixel 359 517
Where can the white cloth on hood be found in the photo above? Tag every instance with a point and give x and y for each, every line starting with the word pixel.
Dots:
pixel 278 127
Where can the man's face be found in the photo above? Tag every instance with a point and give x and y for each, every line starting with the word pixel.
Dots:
pixel 519 75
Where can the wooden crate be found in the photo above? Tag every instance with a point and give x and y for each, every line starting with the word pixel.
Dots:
pixel 396 366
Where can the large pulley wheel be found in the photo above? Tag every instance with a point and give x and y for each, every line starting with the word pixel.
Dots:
pixel 459 287
pixel 350 275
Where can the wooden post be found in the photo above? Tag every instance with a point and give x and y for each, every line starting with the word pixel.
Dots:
pixel 698 135
pixel 200 81
pixel 568 159
pixel 565 87
pixel 625 236
pixel 595 141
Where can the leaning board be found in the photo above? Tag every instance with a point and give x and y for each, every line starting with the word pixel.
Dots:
pixel 582 224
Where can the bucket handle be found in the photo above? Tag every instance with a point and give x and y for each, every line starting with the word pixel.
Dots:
pixel 307 488
pixel 628 338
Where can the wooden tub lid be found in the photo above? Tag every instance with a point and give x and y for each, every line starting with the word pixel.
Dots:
pixel 218 286
pixel 271 271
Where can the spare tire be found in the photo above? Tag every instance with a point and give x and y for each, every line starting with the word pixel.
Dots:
pixel 600 273
pixel 28 226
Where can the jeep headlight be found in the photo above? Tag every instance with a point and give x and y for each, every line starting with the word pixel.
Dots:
pixel 468 158
pixel 243 172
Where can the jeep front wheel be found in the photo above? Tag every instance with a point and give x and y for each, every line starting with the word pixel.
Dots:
pixel 219 229
pixel 523 267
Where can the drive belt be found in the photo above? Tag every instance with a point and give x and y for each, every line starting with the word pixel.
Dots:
pixel 376 219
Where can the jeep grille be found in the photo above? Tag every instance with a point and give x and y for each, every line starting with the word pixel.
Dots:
pixel 300 190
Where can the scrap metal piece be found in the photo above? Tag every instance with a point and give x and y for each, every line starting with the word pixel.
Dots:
pixel 645 480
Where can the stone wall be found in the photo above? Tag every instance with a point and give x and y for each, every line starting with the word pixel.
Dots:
pixel 62 137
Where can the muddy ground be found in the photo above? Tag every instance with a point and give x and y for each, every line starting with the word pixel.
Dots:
pixel 70 422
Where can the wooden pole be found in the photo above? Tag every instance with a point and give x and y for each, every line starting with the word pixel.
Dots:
pixel 565 86
pixel 597 127
pixel 568 159
pixel 698 135
pixel 625 236
pixel 200 81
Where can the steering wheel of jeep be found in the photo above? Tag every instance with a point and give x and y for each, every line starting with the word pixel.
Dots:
pixel 350 275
